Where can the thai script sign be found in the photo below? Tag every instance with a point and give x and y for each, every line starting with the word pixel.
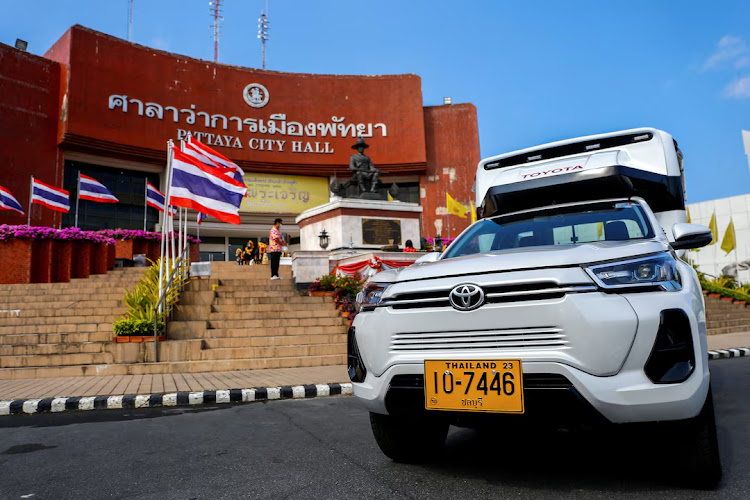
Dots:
pixel 273 127
pixel 289 194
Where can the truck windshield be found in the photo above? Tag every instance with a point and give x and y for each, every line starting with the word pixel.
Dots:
pixel 572 225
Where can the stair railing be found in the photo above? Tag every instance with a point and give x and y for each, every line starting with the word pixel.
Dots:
pixel 179 269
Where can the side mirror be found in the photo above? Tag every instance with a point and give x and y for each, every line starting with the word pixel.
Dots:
pixel 428 257
pixel 689 236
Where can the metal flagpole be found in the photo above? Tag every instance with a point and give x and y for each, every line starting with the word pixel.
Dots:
pixel 165 214
pixel 185 234
pixel 145 204
pixel 171 239
pixel 78 197
pixel 179 232
pixel 31 197
pixel 736 259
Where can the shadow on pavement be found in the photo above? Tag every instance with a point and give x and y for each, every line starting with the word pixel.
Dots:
pixel 83 417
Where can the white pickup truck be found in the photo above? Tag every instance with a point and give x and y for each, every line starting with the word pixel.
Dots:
pixel 567 300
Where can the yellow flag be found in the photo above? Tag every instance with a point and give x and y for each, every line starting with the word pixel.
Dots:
pixel 599 229
pixel 714 229
pixel 729 241
pixel 455 207
pixel 390 198
pixel 473 212
pixel 687 215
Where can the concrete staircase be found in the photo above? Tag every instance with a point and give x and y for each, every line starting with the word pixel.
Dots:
pixel 238 319
pixel 726 316
pixel 57 329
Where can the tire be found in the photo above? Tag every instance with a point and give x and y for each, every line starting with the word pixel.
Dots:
pixel 409 439
pixel 703 467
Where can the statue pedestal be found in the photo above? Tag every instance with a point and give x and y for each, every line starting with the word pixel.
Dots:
pixel 360 224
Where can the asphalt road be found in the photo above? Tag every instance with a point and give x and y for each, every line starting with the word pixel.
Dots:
pixel 323 449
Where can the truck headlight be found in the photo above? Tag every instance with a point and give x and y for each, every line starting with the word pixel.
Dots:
pixel 370 296
pixel 659 271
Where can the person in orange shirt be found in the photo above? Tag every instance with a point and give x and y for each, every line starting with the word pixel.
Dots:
pixel 409 246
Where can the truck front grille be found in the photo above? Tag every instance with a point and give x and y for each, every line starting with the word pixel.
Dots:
pixel 518 338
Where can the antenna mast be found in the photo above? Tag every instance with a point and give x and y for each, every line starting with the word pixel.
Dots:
pixel 216 14
pixel 130 21
pixel 263 34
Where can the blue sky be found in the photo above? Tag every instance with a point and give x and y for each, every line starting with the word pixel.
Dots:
pixel 537 71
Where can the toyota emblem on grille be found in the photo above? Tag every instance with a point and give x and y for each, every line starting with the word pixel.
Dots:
pixel 466 297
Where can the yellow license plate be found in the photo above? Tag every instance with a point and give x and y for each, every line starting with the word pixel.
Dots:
pixel 493 386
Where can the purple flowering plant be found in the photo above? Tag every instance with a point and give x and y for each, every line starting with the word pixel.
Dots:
pixel 133 234
pixel 108 236
pixel 8 232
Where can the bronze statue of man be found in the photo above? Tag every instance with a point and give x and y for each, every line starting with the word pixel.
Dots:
pixel 364 170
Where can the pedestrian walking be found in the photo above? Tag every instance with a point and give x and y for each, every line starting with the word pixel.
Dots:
pixel 275 242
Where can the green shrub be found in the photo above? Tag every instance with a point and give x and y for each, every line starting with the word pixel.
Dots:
pixel 142 300
pixel 128 327
pixel 351 285
pixel 725 292
pixel 725 282
pixel 328 282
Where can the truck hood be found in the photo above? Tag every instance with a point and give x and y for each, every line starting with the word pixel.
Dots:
pixel 525 258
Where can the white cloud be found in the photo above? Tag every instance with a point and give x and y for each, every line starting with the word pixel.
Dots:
pixel 731 50
pixel 738 89
pixel 159 43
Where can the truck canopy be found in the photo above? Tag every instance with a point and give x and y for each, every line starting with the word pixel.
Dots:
pixel 642 162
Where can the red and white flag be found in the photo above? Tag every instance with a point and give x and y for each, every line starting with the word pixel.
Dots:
pixel 204 188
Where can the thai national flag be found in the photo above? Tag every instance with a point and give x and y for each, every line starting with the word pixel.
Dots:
pixel 93 190
pixel 213 158
pixel 201 187
pixel 51 197
pixel 9 202
pixel 200 218
pixel 154 197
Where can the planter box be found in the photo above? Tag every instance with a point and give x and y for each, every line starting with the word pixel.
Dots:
pixel 195 255
pixel 138 338
pixel 80 264
pixel 321 294
pixel 98 257
pixel 62 254
pixel 124 249
pixel 15 261
pixel 41 261
pixel 730 299
pixel 111 256
pixel 714 295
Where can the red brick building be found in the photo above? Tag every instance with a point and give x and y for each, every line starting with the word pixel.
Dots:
pixel 105 107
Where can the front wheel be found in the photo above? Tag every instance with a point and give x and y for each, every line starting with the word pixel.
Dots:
pixel 409 439
pixel 702 448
